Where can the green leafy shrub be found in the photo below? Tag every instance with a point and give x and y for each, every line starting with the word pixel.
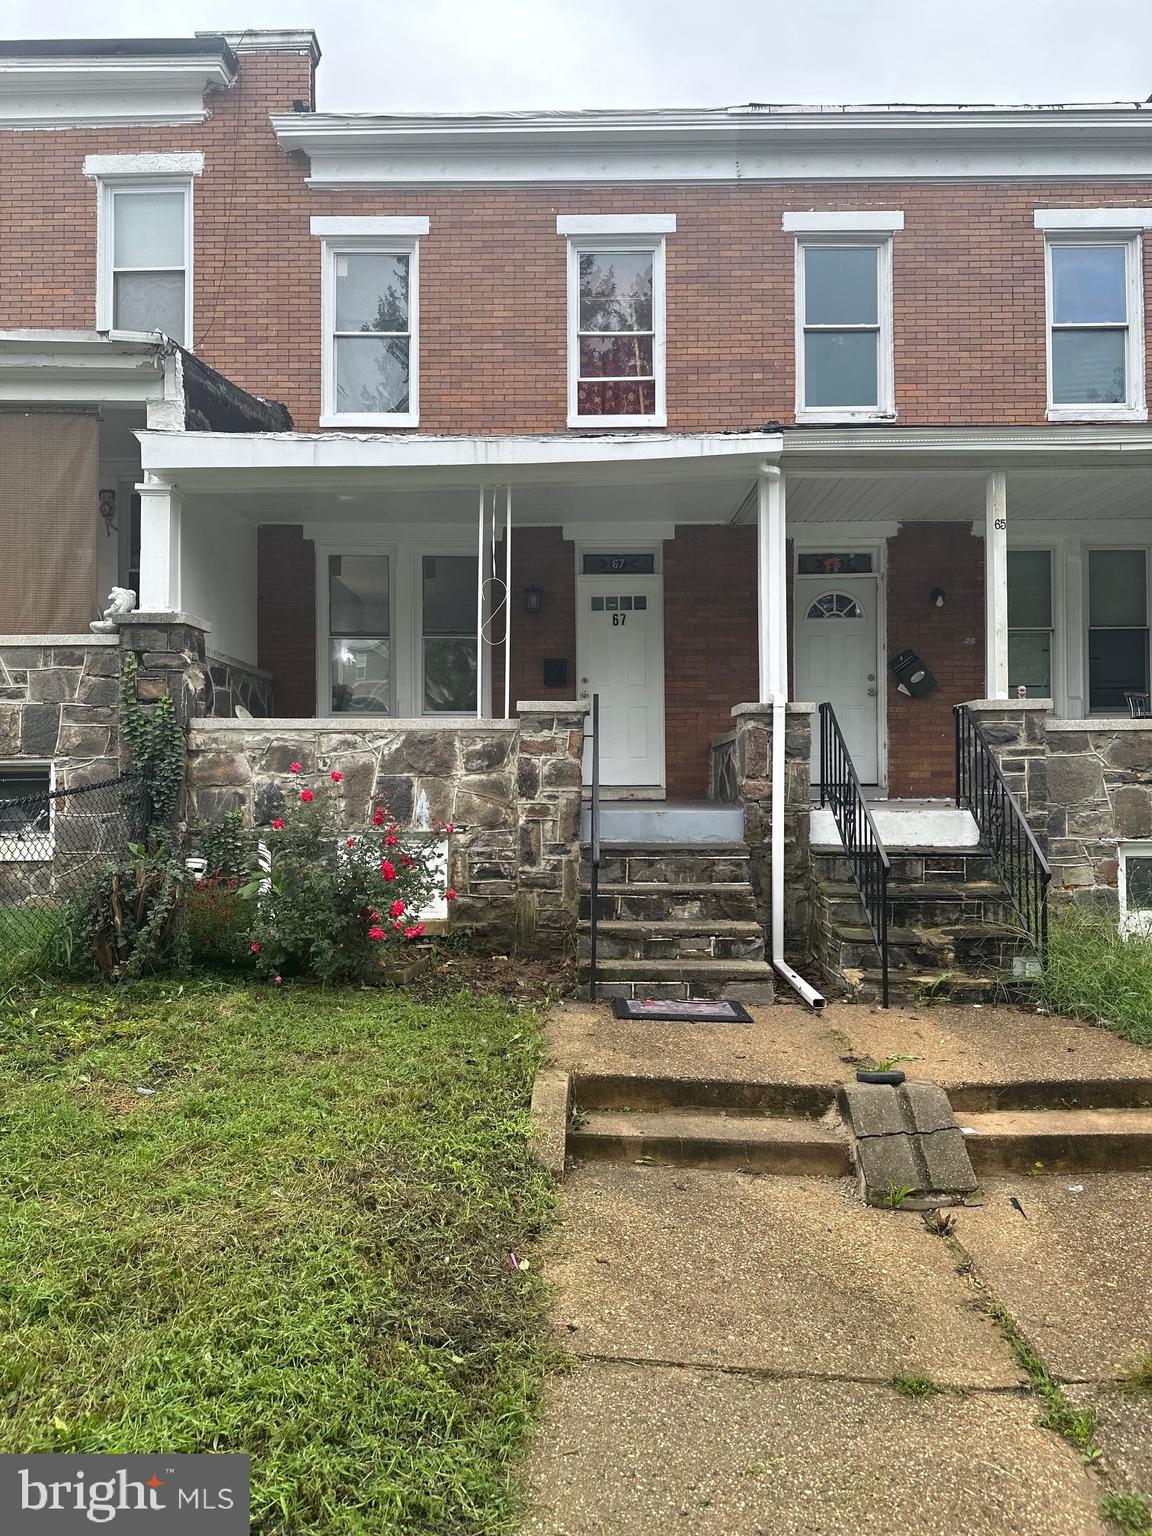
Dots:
pixel 1095 974
pixel 156 744
pixel 127 918
pixel 329 902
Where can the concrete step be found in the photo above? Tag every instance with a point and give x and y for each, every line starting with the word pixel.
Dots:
pixel 1061 1140
pixel 658 901
pixel 627 863
pixel 743 980
pixel 691 1138
pixel 934 825
pixel 707 1095
pixel 983 947
pixel 918 985
pixel 681 824
pixel 720 939
pixel 918 866
pixel 925 906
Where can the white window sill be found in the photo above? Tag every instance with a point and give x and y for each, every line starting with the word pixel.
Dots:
pixel 617 421
pixel 1096 413
pixel 377 422
pixel 832 416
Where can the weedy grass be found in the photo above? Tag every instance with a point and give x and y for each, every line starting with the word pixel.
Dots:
pixel 915 1384
pixel 294 1243
pixel 1095 974
pixel 1132 1512
pixel 1138 1377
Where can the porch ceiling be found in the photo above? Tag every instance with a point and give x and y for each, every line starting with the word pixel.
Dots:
pixel 1037 495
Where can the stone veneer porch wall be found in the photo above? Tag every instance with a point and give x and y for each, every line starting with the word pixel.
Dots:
pixel 1084 785
pixel 58 703
pixel 511 788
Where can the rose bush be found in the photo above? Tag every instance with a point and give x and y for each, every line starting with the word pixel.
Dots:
pixel 328 903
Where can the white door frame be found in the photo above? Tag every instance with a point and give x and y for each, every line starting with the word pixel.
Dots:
pixel 643 545
pixel 839 536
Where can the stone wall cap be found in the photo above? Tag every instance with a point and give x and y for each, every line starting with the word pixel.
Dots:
pixel 1102 723
pixel 347 724
pixel 234 661
pixel 59 640
pixel 1008 706
pixel 766 708
pixel 553 706
pixel 162 616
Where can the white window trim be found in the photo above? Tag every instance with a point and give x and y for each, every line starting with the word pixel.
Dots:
pixel 106 188
pixel 369 226
pixel 1023 544
pixel 42 848
pixel 615 223
pixel 867 221
pixel 885 407
pixel 332 246
pixel 623 239
pixel 1139 922
pixel 1135 408
pixel 106 167
pixel 1111 220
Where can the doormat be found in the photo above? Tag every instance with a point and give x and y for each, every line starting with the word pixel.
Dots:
pixel 694 1010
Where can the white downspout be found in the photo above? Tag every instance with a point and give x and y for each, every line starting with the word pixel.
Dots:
pixel 772 590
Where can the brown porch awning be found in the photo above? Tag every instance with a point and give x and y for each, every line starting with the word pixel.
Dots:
pixel 49 468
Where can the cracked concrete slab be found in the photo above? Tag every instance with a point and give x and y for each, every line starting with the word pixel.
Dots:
pixel 783 1275
pixel 636 1450
pixel 906 1140
pixel 1075 1271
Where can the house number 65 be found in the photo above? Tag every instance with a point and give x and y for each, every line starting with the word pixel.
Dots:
pixel 618 618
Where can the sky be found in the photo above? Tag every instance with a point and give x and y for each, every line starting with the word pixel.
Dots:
pixel 457 55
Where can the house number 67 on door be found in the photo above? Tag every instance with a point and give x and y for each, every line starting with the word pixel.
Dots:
pixel 618 618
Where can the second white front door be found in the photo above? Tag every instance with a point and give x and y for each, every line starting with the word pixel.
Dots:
pixel 621 657
pixel 836 663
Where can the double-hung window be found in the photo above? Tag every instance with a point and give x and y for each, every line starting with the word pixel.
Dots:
pixel 844 364
pixel 1095 311
pixel 1117 628
pixel 1030 621
pixel 144 237
pixel 370 315
pixel 616 319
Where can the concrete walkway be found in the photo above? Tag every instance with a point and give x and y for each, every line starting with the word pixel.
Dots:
pixel 737 1338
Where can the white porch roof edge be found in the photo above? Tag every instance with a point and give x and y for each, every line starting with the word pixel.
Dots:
pixel 998 444
pixel 167 455
pixel 45 366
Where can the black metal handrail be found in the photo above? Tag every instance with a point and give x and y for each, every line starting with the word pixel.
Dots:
pixel 594 839
pixel 867 859
pixel 982 789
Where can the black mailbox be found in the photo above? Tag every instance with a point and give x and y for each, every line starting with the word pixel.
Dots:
pixel 912 676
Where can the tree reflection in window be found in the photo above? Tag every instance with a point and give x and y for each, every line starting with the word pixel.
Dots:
pixel 616 336
pixel 373 332
pixel 835 605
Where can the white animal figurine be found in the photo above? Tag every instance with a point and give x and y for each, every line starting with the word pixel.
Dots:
pixel 120 602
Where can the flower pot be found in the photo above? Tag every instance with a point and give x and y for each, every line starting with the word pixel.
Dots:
pixel 887 1079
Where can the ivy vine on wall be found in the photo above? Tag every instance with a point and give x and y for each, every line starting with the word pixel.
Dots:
pixel 156 743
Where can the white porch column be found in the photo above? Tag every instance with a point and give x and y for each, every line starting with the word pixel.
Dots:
pixel 772 583
pixel 996 586
pixel 159 548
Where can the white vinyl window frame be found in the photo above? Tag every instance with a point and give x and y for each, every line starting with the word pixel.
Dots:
pixel 355 236
pixel 1134 406
pixel 1138 921
pixel 109 188
pixel 583 244
pixel 36 847
pixel 847 237
pixel 1054 627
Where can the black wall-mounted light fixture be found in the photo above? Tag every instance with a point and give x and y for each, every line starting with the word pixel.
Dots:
pixel 533 599
pixel 937 596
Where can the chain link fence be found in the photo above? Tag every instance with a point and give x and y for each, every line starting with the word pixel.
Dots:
pixel 52 844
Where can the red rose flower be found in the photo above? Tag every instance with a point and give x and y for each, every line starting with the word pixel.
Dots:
pixel 450 894
pixel 378 816
pixel 397 909
pixel 391 840
pixel 278 824
pixel 306 795
pixel 350 842
pixel 414 932
pixel 295 768
pixel 374 917
pixel 377 933
pixel 255 947
pixel 335 775
pixel 406 861
pixel 388 870
pixel 451 827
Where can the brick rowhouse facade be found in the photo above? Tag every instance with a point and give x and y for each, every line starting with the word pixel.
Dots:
pixel 969 330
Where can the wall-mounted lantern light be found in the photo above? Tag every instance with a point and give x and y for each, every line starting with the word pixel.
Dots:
pixel 937 596
pixel 533 599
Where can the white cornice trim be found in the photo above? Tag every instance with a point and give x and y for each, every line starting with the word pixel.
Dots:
pixel 740 144
pixel 865 221
pixel 1009 442
pixel 78 92
pixel 367 226
pixel 1093 218
pixel 615 223
pixel 271 40
pixel 109 166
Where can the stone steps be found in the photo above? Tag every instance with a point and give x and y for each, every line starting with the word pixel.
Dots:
pixel 656 864
pixel 1059 1140
pixel 748 981
pixel 915 866
pixel 701 1138
pixel 658 902
pixel 925 985
pixel 719 939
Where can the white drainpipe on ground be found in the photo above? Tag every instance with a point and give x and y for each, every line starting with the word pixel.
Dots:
pixel 809 993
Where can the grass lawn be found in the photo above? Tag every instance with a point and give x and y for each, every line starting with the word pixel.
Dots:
pixel 1094 974
pixel 293 1244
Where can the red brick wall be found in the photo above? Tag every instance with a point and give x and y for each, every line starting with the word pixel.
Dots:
pixel 286 616
pixel 541 557
pixel 968 275
pixel 710 648
pixel 950 640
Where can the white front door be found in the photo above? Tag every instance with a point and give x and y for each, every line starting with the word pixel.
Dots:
pixel 620 644
pixel 836 663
